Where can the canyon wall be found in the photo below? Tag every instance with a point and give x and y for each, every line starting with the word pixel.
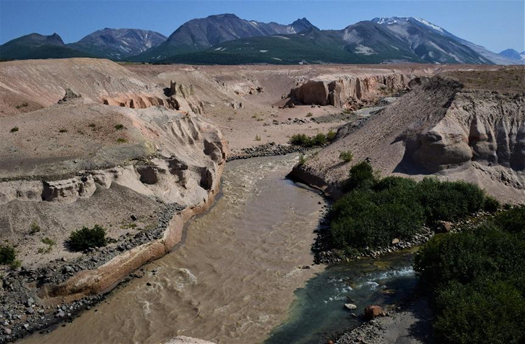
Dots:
pixel 442 128
pixel 102 146
pixel 348 91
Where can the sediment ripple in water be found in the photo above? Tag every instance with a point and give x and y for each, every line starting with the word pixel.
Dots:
pixel 234 278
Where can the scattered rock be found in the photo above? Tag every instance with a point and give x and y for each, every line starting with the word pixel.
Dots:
pixel 444 227
pixel 372 312
pixel 350 306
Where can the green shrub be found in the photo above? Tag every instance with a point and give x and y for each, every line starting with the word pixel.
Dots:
pixel 309 114
pixel 375 211
pixel 257 138
pixel 331 135
pixel 486 312
pixel 476 281
pixel 484 252
pixel 119 127
pixel 14 129
pixel 300 140
pixel 88 238
pixel 319 139
pixel 346 156
pixel 311 141
pixel 361 176
pixel 449 201
pixel 395 182
pixel 7 255
pixel 512 220
pixel 62 131
pixel 491 204
pixel 121 140
pixel 302 159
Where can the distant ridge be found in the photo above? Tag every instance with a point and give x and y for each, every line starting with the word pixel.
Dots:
pixel 36 46
pixel 228 39
pixel 118 44
pixel 203 33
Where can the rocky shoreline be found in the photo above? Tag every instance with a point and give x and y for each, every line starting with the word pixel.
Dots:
pixel 408 322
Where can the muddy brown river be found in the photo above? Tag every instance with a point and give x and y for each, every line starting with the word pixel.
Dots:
pixel 233 279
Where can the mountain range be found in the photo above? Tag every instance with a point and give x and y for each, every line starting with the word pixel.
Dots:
pixel 228 39
pixel 118 44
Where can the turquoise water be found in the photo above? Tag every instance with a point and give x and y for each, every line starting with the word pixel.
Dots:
pixel 318 313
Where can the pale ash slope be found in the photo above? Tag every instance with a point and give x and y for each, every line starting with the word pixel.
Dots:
pixel 81 163
pixel 441 128
pixel 29 85
pixel 247 101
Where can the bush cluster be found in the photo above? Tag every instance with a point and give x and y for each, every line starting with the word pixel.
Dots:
pixel 86 238
pixel 476 280
pixel 312 141
pixel 374 211
pixel 7 255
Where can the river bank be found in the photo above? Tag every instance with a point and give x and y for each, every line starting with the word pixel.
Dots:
pixel 251 249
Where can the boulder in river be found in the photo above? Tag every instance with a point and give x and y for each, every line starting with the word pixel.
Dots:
pixel 373 311
pixel 350 306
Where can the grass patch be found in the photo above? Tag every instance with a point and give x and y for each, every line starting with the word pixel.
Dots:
pixel 128 226
pixel 121 140
pixel 86 238
pixel 309 114
pixel 50 244
pixel 257 138
pixel 35 228
pixel 346 156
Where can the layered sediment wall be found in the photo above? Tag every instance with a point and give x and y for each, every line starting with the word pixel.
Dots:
pixel 443 128
pixel 348 91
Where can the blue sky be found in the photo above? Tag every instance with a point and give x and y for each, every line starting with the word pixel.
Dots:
pixel 495 24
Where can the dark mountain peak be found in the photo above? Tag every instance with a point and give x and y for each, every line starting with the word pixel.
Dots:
pixel 117 44
pixel 36 39
pixel 511 54
pixel 301 24
pixel 223 16
pixel 37 46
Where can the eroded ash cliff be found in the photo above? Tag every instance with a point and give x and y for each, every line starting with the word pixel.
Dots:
pixel 84 143
pixel 459 125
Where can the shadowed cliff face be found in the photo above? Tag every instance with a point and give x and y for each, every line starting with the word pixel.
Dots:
pixel 479 127
pixel 348 91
